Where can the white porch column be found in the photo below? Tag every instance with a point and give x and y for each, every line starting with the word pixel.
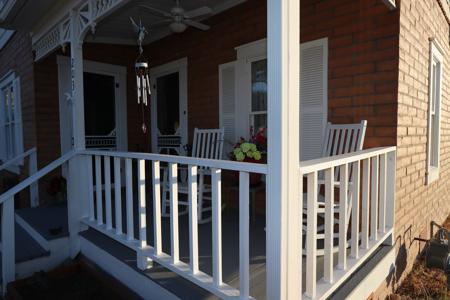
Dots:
pixel 77 185
pixel 284 187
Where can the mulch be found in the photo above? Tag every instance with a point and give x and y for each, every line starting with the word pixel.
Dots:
pixel 423 282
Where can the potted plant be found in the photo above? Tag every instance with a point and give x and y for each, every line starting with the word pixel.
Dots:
pixel 252 151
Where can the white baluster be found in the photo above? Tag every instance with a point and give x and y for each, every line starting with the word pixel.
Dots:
pixel 143 261
pixel 354 248
pixel 343 198
pixel 244 248
pixel 108 208
pixel 129 199
pixel 193 221
pixel 382 212
pixel 90 187
pixel 8 244
pixel 311 235
pixel 329 224
pixel 390 192
pixel 157 206
pixel 365 205
pixel 34 187
pixel 374 200
pixel 118 195
pixel 174 237
pixel 217 225
pixel 98 189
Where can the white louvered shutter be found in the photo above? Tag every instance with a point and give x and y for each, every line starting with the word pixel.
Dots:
pixel 18 118
pixel 313 97
pixel 227 100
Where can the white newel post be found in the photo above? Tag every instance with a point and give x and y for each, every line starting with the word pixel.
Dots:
pixel 77 202
pixel 284 187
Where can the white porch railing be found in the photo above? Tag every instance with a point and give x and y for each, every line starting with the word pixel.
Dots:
pixel 32 168
pixel 372 193
pixel 372 190
pixel 103 160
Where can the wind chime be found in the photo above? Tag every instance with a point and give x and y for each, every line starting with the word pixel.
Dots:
pixel 142 72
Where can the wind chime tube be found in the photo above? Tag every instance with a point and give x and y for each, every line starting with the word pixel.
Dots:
pixel 148 85
pixel 144 90
pixel 138 80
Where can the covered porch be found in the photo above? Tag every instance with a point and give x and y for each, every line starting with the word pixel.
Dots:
pixel 262 80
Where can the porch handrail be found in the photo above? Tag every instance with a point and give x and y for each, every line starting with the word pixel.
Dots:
pixel 17 159
pixel 318 164
pixel 35 177
pixel 185 160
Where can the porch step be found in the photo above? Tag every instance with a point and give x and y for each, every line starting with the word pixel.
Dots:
pixel 26 247
pixel 49 222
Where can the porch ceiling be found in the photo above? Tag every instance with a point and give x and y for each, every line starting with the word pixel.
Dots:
pixel 117 29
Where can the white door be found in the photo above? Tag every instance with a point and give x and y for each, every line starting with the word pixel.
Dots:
pixel 169 102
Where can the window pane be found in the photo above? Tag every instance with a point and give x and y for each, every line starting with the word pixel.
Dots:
pixel 7 105
pixel 11 103
pixel 259 85
pixel 434 142
pixel 259 121
pixel 433 88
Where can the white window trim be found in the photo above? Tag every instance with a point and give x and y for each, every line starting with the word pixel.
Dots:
pixel 432 173
pixel 246 54
pixel 5 35
pixel 10 78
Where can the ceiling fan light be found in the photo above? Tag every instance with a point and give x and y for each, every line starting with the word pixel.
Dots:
pixel 177 27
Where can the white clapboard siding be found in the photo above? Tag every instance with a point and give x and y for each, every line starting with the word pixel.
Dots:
pixel 313 97
pixel 227 102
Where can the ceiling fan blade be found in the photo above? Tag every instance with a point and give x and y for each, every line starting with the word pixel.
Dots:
pixel 196 24
pixel 205 10
pixel 156 11
pixel 160 23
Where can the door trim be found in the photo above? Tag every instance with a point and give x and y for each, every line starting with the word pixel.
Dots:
pixel 120 75
pixel 179 66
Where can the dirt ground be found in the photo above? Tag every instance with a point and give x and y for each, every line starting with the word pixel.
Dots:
pixel 424 283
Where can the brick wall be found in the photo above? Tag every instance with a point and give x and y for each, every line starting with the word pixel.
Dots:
pixel 418 203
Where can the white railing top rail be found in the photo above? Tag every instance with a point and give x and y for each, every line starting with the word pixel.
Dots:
pixel 185 160
pixel 17 159
pixel 338 160
pixel 36 176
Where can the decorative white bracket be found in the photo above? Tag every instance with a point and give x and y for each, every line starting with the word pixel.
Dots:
pixel 88 14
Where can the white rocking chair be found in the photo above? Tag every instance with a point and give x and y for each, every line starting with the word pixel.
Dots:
pixel 339 139
pixel 208 144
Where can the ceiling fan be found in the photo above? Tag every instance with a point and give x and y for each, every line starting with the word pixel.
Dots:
pixel 179 19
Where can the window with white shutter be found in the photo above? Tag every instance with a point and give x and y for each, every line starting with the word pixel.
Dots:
pixel 313 97
pixel 434 112
pixel 11 140
pixel 227 102
pixel 251 92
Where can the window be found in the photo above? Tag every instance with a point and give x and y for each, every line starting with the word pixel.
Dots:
pixel 11 143
pixel 434 112
pixel 258 112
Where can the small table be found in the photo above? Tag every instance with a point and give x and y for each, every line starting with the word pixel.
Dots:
pixel 253 189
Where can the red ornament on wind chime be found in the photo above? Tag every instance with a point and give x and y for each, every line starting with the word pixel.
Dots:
pixel 142 73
